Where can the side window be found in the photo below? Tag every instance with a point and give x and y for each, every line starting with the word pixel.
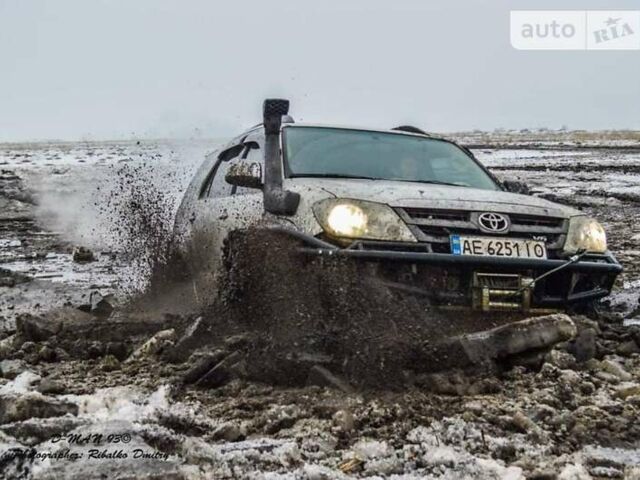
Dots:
pixel 251 154
pixel 215 184
pixel 219 186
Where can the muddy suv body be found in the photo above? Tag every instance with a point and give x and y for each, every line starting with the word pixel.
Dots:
pixel 447 230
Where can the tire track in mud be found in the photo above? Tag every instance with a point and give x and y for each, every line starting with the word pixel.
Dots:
pixel 577 167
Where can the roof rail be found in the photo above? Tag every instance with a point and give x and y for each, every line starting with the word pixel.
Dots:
pixel 411 129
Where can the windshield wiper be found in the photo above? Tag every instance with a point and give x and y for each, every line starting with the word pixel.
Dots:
pixel 332 175
pixel 433 182
pixel 362 177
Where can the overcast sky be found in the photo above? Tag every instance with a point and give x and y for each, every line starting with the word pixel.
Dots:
pixel 182 68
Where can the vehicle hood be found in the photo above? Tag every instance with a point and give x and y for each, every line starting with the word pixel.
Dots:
pixel 423 195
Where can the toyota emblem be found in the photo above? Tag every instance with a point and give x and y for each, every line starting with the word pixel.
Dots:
pixel 493 222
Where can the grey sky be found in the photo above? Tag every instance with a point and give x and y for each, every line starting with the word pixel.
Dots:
pixel 156 68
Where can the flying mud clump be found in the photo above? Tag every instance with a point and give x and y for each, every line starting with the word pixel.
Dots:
pixel 139 210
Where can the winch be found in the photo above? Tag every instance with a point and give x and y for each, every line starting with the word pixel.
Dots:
pixel 501 291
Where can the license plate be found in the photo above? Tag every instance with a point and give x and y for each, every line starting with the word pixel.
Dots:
pixel 497 247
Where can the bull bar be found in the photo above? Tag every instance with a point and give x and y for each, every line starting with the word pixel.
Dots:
pixel 602 269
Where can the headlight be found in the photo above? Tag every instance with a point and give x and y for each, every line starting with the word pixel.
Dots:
pixel 585 234
pixel 348 220
pixel 360 219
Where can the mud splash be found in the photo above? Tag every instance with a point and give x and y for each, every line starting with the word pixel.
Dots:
pixel 141 212
pixel 294 314
pixel 291 315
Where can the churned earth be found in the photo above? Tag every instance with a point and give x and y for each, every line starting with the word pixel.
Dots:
pixel 96 385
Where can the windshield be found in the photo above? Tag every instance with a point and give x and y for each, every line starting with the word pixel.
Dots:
pixel 343 153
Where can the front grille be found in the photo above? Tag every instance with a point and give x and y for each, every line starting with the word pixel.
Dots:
pixel 447 215
pixel 536 221
pixel 434 226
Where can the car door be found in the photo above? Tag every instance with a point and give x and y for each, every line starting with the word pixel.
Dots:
pixel 222 208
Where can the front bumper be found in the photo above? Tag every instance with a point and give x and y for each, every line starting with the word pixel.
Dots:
pixel 456 279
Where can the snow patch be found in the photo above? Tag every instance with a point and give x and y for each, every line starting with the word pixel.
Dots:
pixel 23 383
pixel 121 403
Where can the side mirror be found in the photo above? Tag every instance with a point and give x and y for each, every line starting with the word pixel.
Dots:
pixel 516 186
pixel 245 174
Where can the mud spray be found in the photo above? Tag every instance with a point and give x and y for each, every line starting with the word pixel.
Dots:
pixel 292 312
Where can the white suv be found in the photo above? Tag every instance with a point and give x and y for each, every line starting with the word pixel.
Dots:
pixel 422 209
